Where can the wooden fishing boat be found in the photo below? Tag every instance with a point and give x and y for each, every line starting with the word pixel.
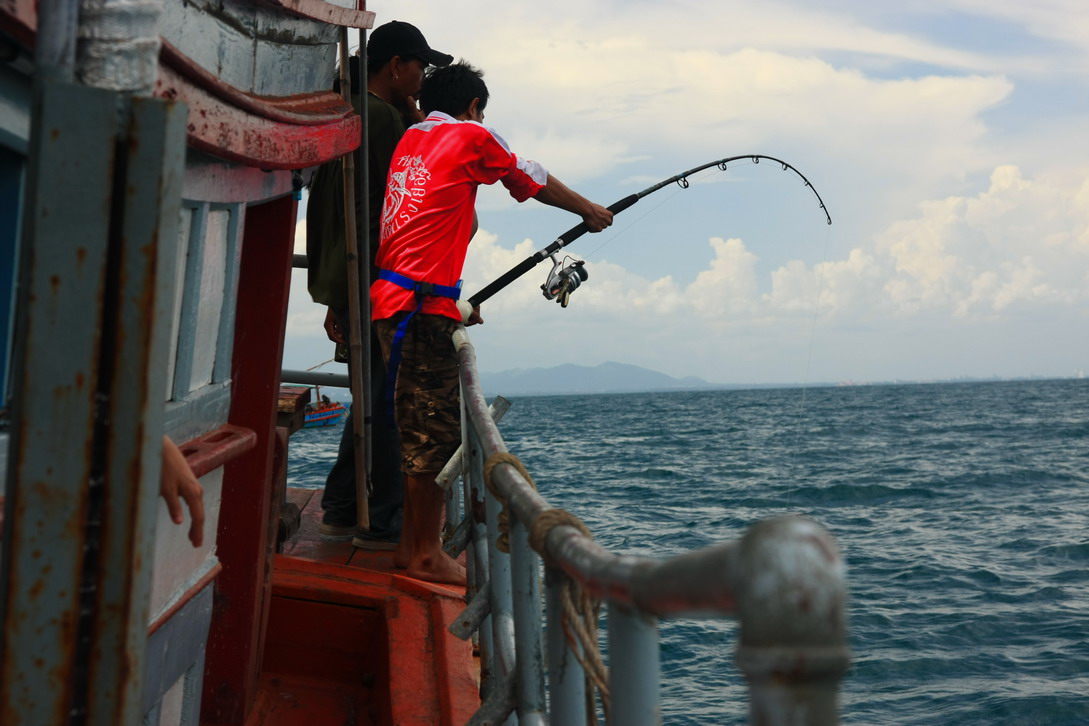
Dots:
pixel 324 414
pixel 160 293
pixel 150 156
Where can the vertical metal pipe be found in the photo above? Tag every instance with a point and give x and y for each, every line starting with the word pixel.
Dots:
pixel 360 327
pixel 499 583
pixel 363 182
pixel 529 653
pixel 567 679
pixel 477 560
pixel 633 667
pixel 454 498
pixel 792 607
pixel 468 452
pixel 55 42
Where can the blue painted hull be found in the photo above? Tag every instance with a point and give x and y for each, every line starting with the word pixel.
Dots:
pixel 326 417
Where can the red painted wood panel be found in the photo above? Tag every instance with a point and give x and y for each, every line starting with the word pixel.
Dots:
pixel 457 675
pixel 286 701
pixel 326 641
pixel 432 677
pixel 233 644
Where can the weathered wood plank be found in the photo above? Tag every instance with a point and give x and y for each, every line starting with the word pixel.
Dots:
pixel 308 542
pixel 262 48
pixel 300 497
pixel 220 39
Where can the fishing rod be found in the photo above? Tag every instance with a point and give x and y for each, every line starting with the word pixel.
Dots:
pixel 563 280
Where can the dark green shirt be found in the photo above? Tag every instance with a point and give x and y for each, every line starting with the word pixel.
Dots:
pixel 327 273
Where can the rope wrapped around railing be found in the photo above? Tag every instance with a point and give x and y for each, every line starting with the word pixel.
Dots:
pixel 784 580
pixel 581 611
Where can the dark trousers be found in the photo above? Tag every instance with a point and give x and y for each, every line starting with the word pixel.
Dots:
pixel 387 484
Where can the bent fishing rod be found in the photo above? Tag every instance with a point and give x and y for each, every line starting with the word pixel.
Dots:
pixel 562 280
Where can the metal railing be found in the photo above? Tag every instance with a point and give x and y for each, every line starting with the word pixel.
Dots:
pixel 314 378
pixel 783 580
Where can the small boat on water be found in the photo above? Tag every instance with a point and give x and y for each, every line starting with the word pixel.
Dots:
pixel 325 413
pixel 295 410
pixel 150 157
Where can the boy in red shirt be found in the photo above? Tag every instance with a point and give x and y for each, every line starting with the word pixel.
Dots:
pixel 427 222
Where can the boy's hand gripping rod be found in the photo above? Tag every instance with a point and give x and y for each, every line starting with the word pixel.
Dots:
pixel 580 229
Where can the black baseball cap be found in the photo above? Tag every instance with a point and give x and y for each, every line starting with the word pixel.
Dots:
pixel 404 40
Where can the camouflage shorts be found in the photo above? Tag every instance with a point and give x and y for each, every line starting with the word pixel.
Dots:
pixel 427 403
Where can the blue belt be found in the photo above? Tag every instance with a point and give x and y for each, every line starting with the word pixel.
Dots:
pixel 422 290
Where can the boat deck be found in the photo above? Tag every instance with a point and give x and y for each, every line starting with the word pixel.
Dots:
pixel 307 542
pixel 373 644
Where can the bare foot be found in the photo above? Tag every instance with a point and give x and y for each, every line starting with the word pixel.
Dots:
pixel 442 568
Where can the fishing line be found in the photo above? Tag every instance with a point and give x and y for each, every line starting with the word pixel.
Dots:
pixel 808 362
pixel 623 230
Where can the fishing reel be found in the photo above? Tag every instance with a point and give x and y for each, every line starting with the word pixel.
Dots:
pixel 564 280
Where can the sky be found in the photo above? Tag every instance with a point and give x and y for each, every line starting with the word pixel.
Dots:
pixel 948 140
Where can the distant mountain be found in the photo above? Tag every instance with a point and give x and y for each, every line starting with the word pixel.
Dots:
pixel 570 378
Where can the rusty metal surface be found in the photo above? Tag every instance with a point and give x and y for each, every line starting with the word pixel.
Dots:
pixel 225 131
pixel 326 12
pixel 66 230
pixel 308 108
pixel 145 217
pixel 271 106
pixel 89 406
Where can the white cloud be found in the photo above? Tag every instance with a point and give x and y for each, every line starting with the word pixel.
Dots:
pixel 1020 243
pixel 1066 21
pixel 304 318
pixel 728 286
pixel 705 100
pixel 962 212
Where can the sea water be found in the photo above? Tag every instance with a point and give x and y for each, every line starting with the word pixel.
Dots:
pixel 962 511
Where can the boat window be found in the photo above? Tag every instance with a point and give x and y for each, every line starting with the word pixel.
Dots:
pixel 11 197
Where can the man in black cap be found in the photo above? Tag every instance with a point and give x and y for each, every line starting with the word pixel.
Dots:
pixel 397 55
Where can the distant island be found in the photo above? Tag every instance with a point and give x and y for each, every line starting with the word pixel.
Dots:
pixel 611 377
pixel 573 379
pixel 625 378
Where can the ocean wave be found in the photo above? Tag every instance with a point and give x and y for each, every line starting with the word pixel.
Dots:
pixel 960 510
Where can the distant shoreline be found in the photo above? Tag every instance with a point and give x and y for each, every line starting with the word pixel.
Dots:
pixel 617 378
pixel 491 390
